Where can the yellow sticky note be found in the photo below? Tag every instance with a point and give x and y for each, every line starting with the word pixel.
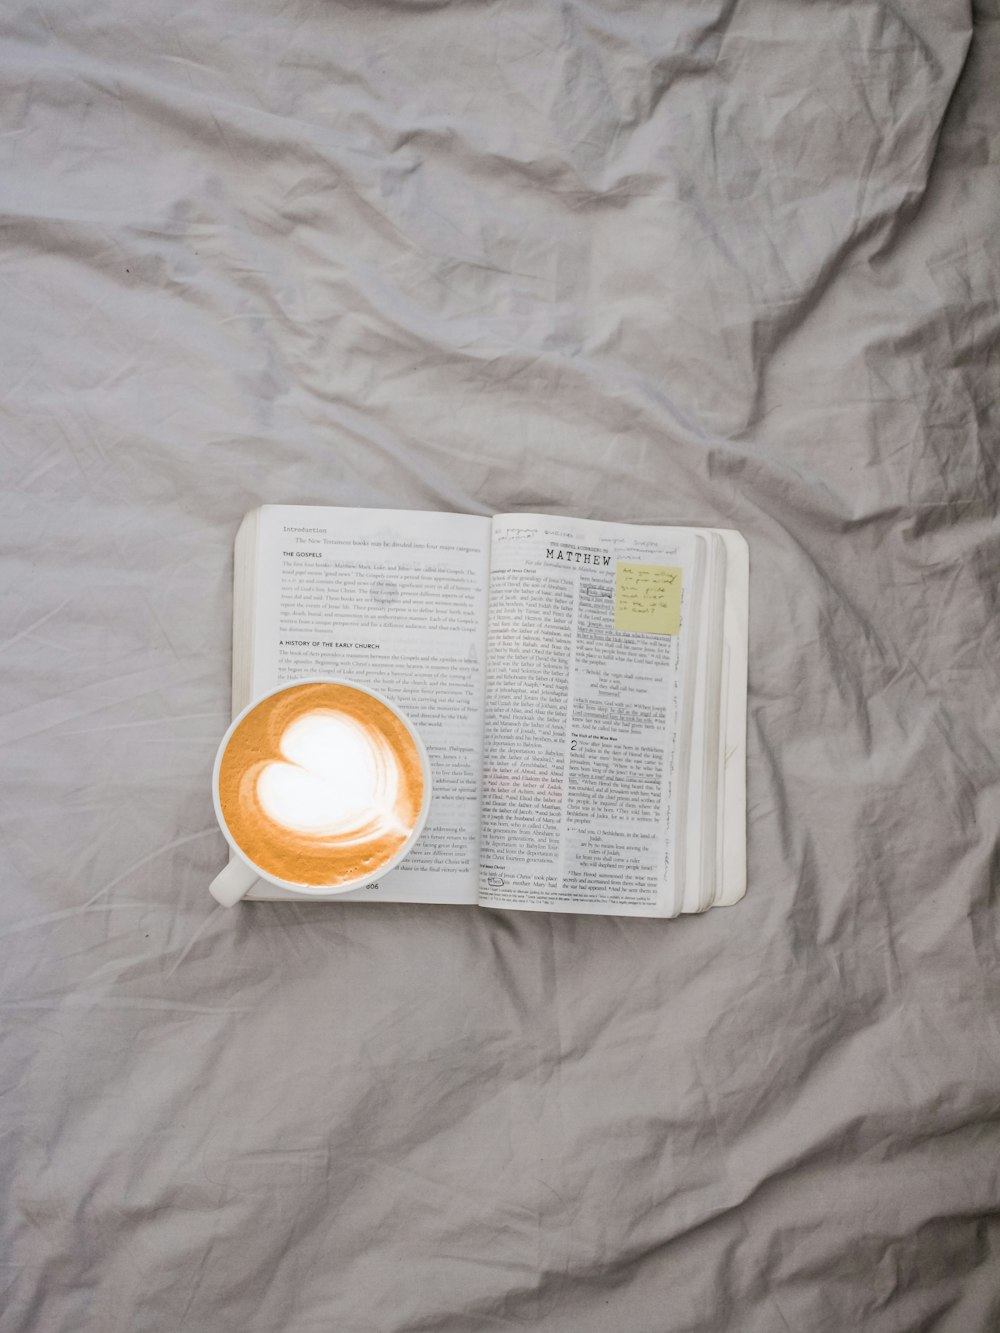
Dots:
pixel 647 598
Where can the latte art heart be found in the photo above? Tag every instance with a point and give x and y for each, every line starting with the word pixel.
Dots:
pixel 321 784
pixel 335 779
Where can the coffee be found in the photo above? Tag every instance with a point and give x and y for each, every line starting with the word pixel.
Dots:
pixel 321 784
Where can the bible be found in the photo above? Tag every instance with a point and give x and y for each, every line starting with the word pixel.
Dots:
pixel 580 687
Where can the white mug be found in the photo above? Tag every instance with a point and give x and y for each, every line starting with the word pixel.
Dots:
pixel 239 876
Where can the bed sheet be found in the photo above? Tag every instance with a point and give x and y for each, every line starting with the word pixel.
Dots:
pixel 723 264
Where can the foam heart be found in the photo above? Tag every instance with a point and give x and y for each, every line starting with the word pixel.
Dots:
pixel 333 777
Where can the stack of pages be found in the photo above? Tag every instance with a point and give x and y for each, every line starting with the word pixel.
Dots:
pixel 580 686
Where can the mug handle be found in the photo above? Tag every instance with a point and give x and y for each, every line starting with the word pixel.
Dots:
pixel 232 883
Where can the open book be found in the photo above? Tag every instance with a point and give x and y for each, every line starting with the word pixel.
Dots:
pixel 580 687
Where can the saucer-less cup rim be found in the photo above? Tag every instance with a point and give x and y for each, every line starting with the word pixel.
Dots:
pixel 239 876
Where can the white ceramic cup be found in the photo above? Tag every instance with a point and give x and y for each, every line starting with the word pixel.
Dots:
pixel 240 875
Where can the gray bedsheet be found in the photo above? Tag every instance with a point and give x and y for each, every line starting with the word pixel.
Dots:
pixel 716 263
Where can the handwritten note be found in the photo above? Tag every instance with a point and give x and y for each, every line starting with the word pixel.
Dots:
pixel 647 598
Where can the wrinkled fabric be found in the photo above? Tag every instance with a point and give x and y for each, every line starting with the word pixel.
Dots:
pixel 665 262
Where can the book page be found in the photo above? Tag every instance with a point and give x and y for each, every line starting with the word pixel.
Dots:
pixel 585 648
pixel 395 600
